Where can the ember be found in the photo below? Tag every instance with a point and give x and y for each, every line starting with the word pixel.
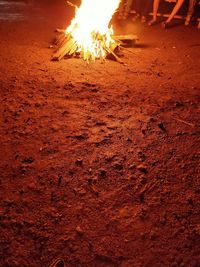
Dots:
pixel 89 35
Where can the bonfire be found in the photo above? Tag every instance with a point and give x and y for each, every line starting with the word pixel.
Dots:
pixel 90 35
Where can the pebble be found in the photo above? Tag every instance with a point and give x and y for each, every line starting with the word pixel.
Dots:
pixel 162 127
pixel 79 162
pixel 142 168
pixel 132 167
pixel 79 230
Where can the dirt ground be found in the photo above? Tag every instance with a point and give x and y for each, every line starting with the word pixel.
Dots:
pixel 99 162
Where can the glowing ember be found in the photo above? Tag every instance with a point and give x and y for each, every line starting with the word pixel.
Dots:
pixel 89 33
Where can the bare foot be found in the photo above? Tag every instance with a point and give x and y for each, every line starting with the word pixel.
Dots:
pixel 187 21
pixel 152 22
pixel 165 24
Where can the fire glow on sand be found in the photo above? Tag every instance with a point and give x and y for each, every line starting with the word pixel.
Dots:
pixel 89 35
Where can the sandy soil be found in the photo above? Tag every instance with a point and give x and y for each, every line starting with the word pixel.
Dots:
pixel 99 162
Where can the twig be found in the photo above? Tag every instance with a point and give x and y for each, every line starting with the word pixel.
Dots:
pixel 128 50
pixel 185 122
pixel 114 55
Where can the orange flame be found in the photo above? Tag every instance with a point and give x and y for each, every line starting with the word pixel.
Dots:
pixel 90 27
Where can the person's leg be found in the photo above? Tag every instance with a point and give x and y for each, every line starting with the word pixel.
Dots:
pixel 146 6
pixel 175 10
pixel 190 11
pixel 136 5
pixel 128 6
pixel 124 9
pixel 142 10
pixel 156 4
pixel 121 9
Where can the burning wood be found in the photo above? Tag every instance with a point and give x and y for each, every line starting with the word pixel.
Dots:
pixel 68 47
pixel 89 35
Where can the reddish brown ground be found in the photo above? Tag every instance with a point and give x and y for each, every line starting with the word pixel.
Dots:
pixel 99 162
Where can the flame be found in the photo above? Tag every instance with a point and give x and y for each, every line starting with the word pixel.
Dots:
pixel 90 28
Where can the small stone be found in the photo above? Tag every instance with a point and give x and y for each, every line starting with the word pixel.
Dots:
pixel 79 230
pixel 143 213
pixel 80 191
pixel 38 105
pixel 162 127
pixel 81 137
pixel 65 113
pixel 32 186
pixel 22 169
pixel 142 180
pixel 118 166
pixel 151 119
pixel 143 131
pixel 153 235
pixel 92 180
pixel 79 162
pixel 100 123
pixel 28 160
pixel 142 168
pixel 132 167
pixel 141 156
pixel 178 104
